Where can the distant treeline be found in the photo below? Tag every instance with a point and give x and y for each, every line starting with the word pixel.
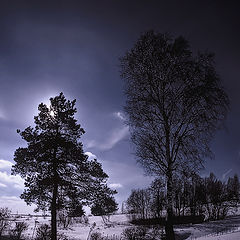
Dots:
pixel 193 196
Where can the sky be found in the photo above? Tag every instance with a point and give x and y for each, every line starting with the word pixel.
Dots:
pixel 48 47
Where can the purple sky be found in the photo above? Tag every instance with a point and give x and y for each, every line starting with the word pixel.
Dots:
pixel 72 46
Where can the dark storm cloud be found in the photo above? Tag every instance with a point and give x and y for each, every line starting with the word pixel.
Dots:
pixel 74 46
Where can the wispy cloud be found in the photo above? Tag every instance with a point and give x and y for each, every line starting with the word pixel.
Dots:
pixel 16 204
pixel 90 155
pixel 91 143
pixel 115 136
pixel 4 164
pixel 2 185
pixel 115 185
pixel 226 173
pixel 11 181
pixel 119 115
pixel 2 115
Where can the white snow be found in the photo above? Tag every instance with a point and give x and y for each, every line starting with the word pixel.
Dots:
pixel 80 231
pixel 227 236
pixel 228 229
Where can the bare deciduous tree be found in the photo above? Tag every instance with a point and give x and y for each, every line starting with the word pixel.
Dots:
pixel 139 203
pixel 175 102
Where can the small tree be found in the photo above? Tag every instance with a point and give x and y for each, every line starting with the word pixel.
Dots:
pixel 217 203
pixel 54 166
pixel 175 103
pixel 43 232
pixel 233 189
pixel 17 231
pixel 105 206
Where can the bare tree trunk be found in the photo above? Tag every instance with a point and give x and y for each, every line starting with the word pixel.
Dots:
pixel 169 218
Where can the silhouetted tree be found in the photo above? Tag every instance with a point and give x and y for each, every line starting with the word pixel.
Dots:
pixel 218 202
pixel 104 206
pixel 76 209
pixel 139 203
pixel 199 194
pixel 178 196
pixel 54 166
pixel 175 103
pixel 233 188
pixel 158 198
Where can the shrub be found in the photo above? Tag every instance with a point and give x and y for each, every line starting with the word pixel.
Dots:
pixel 4 223
pixel 62 236
pixel 135 233
pixel 96 236
pixel 99 236
pixel 84 219
pixel 43 232
pixel 16 232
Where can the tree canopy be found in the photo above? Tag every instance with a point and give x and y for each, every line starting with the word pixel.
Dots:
pixel 174 100
pixel 104 206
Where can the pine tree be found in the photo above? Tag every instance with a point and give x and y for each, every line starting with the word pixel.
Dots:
pixel 54 166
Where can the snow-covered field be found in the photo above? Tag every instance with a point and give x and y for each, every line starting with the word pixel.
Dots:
pixel 80 231
pixel 213 230
pixel 228 236
pixel 228 229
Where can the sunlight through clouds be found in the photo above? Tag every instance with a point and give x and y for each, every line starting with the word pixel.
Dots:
pixel 90 155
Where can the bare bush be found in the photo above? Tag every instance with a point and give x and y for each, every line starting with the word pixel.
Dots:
pixel 99 236
pixel 17 231
pixel 4 222
pixel 43 232
pixel 83 219
pixel 96 236
pixel 139 204
pixel 64 220
pixel 62 236
pixel 135 233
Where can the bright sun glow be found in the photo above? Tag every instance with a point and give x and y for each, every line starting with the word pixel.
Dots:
pixel 52 113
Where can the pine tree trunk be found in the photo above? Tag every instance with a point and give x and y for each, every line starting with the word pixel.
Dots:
pixel 169 218
pixel 54 196
pixel 54 214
